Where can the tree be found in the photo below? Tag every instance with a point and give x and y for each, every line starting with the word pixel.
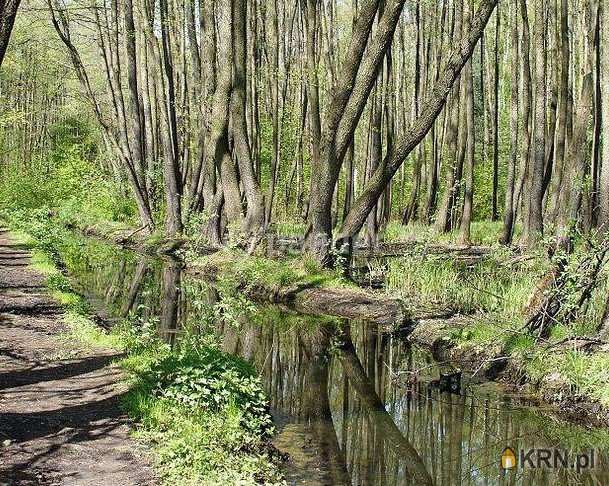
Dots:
pixel 468 202
pixel 603 218
pixel 533 226
pixel 349 97
pixel 510 202
pixel 418 129
pixel 8 12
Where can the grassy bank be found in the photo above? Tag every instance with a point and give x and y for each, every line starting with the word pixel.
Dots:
pixel 203 412
pixel 495 295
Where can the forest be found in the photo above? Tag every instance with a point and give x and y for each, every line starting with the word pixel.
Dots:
pixel 303 241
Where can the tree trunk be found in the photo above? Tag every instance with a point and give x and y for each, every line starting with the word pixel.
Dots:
pixel 420 127
pixel 575 163
pixel 495 209
pixel 603 217
pixel 254 219
pixel 347 103
pixel 533 220
pixel 468 201
pixel 8 12
pixel 508 213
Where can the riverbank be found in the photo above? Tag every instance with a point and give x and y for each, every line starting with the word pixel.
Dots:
pixel 486 336
pixel 80 434
pixel 200 411
pixel 465 310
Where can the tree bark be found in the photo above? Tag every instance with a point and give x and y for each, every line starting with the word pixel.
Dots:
pixel 420 127
pixel 468 197
pixel 508 213
pixel 603 217
pixel 8 12
pixel 534 219
pixel 254 219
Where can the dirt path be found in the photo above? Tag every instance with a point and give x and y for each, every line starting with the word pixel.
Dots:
pixel 60 422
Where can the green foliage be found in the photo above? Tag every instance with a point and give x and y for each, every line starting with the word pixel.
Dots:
pixel 491 285
pixel 203 411
pixel 68 183
pixel 585 373
pixel 194 446
pixel 483 232
pixel 205 378
pixel 237 268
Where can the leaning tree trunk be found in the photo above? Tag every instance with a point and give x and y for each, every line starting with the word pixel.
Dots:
pixel 8 12
pixel 349 98
pixel 417 131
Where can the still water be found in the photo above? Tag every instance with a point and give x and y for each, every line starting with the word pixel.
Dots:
pixel 345 410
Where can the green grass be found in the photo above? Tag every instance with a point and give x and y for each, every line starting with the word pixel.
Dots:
pixel 587 374
pixel 482 233
pixel 493 285
pixel 203 412
pixel 497 292
pixel 290 228
pixel 238 267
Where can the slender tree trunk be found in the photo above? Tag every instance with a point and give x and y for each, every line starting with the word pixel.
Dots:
pixel 274 55
pixel 171 164
pixel 534 218
pixel 508 213
pixel 468 200
pixel 420 127
pixel 495 208
pixel 525 137
pixel 603 217
pixel 575 164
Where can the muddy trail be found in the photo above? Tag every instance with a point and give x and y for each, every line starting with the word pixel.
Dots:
pixel 60 420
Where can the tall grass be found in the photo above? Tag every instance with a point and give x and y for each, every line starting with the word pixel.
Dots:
pixel 482 233
pixel 493 285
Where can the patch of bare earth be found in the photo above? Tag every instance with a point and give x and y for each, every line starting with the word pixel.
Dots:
pixel 60 420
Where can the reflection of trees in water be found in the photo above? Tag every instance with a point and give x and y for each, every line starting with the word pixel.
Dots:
pixel 298 367
pixel 135 287
pixel 170 301
pixel 384 434
pixel 360 421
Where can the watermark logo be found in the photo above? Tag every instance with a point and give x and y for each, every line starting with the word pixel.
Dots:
pixel 508 458
pixel 539 458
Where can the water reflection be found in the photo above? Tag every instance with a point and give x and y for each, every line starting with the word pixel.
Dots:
pixel 332 386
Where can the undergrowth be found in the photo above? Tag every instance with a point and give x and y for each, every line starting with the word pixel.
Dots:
pixel 236 267
pixel 483 232
pixel 496 291
pixel 494 285
pixel 203 412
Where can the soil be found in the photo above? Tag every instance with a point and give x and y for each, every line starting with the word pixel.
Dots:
pixel 60 419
